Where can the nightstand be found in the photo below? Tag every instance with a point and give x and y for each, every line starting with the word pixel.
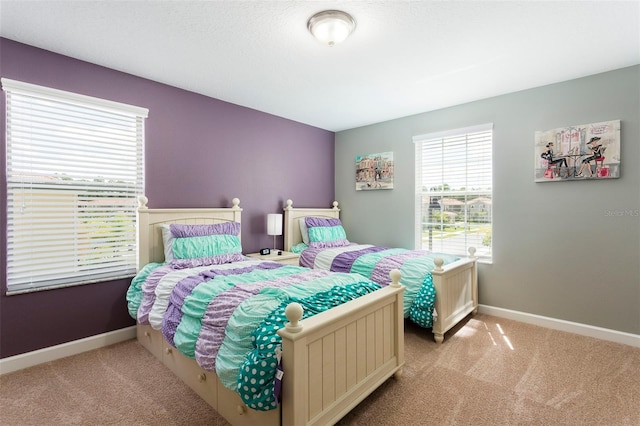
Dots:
pixel 286 257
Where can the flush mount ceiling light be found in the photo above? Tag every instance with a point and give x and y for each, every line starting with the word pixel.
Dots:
pixel 331 26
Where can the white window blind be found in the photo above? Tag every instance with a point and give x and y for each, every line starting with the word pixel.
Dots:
pixel 74 173
pixel 454 191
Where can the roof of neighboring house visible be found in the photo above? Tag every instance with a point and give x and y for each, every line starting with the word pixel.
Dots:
pixel 450 202
pixel 484 200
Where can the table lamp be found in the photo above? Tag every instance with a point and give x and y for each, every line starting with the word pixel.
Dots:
pixel 274 226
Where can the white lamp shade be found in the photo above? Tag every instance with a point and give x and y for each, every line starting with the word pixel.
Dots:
pixel 274 224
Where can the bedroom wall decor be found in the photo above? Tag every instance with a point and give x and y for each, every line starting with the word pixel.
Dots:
pixel 374 171
pixel 579 152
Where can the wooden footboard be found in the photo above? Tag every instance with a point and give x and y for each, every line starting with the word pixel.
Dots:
pixel 340 356
pixel 456 287
pixel 331 361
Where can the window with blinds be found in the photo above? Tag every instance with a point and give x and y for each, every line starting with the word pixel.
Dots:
pixel 454 191
pixel 74 174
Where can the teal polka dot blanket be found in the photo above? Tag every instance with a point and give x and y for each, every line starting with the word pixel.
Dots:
pixel 255 378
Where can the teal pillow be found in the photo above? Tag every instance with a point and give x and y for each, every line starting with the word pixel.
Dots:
pixel 326 233
pixel 205 246
pixel 201 245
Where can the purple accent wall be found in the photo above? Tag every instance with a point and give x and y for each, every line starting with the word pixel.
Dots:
pixel 200 152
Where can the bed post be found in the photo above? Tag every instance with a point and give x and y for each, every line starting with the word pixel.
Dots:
pixel 474 277
pixel 143 232
pixel 456 286
pixel 396 276
pixel 288 226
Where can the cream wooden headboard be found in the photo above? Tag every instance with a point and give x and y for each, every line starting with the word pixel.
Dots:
pixel 292 217
pixel 150 248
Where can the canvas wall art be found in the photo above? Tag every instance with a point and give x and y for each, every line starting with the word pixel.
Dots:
pixel 374 171
pixel 580 152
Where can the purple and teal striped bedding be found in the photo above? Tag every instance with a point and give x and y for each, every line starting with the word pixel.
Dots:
pixel 226 316
pixel 376 262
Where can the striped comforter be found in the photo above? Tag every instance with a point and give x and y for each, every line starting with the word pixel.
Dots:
pixel 226 316
pixel 375 263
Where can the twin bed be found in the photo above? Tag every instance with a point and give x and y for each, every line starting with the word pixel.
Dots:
pixel 331 361
pixel 454 280
pixel 302 346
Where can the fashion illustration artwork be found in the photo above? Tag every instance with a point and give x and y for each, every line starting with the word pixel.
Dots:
pixel 580 152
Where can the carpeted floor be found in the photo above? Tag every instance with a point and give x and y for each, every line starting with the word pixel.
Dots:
pixel 489 371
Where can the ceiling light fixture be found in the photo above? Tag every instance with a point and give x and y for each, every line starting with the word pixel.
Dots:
pixel 331 26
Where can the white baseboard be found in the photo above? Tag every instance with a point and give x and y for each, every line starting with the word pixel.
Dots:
pixel 29 359
pixel 562 325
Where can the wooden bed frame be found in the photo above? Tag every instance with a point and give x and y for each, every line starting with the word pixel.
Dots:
pixel 331 362
pixel 456 284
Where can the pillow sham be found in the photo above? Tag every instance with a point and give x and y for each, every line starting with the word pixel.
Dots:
pixel 325 233
pixel 188 246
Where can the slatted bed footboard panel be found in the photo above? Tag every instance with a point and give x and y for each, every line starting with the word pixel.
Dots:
pixel 457 295
pixel 339 364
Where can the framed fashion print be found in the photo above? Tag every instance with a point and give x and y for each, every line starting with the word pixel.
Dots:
pixel 579 152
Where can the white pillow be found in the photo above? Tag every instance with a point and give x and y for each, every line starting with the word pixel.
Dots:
pixel 167 238
pixel 304 230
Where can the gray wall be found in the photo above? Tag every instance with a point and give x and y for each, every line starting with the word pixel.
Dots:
pixel 566 250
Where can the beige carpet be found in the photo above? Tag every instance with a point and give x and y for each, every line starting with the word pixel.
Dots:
pixel 489 371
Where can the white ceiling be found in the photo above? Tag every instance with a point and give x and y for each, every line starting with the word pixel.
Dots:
pixel 404 58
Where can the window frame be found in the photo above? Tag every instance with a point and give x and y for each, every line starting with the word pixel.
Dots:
pixel 465 197
pixel 59 204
